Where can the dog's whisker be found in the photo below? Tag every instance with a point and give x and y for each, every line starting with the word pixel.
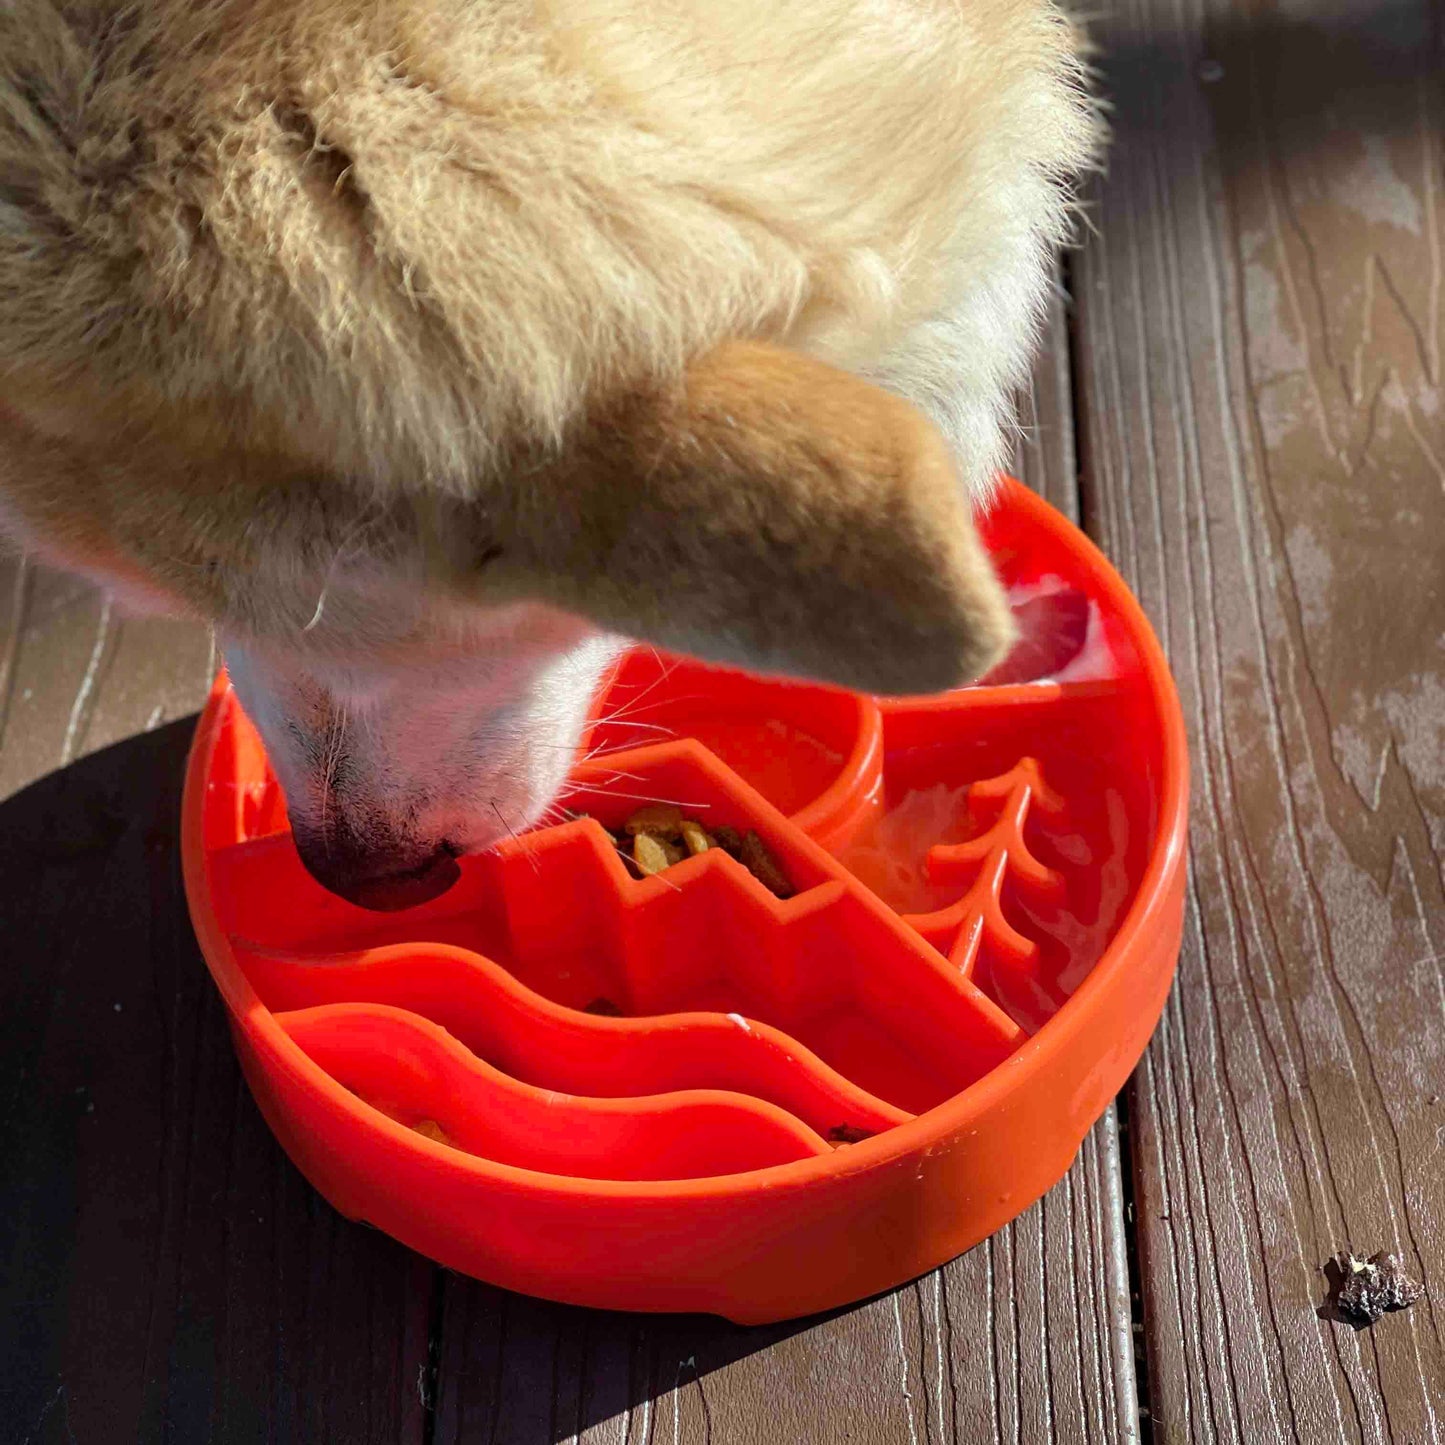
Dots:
pixel 610 752
pixel 529 853
pixel 320 608
pixel 641 696
pixel 622 714
pixel 645 726
pixel 652 798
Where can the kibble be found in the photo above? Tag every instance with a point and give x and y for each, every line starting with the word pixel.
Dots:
pixel 652 853
pixel 660 835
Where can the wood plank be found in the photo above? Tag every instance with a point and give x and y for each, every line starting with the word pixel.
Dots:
pixel 1044 450
pixel 1027 1338
pixel 1263 437
pixel 1006 1344
pixel 164 1273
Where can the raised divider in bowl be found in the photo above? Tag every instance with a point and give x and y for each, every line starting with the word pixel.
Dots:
pixel 1051 819
pixel 539 1042
pixel 830 967
pixel 411 1069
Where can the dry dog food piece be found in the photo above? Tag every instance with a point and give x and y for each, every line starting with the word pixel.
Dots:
pixel 662 836
pixel 430 1129
pixel 652 853
pixel 617 842
pixel 754 856
pixel 603 1008
pixel 662 819
pixel 848 1134
pixel 1369 1288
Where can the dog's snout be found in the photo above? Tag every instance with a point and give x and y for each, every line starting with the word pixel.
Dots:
pixel 380 879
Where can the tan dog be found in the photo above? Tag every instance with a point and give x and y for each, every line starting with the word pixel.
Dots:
pixel 429 347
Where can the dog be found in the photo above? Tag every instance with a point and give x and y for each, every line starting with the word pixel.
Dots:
pixel 431 348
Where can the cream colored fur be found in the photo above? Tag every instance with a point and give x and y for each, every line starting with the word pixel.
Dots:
pixel 294 294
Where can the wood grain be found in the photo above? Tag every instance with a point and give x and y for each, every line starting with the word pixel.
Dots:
pixel 1260 386
pixel 164 1272
pixel 75 675
pixel 1003 1345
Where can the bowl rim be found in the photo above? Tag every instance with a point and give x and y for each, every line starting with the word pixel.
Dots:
pixel 1146 913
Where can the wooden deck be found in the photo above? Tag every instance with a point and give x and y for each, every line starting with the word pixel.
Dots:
pixel 1242 400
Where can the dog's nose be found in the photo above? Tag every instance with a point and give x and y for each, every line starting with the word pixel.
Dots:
pixel 363 877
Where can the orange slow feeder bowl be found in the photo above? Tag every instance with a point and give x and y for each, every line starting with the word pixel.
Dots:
pixel 986 917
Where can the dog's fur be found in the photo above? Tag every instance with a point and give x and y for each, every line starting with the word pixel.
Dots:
pixel 426 346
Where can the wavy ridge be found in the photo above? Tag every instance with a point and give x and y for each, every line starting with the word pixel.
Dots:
pixel 547 1045
pixel 412 1069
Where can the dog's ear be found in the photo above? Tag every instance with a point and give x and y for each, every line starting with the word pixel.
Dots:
pixel 771 512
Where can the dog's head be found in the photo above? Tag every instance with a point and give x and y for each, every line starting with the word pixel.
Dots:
pixel 420 666
pixel 419 376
